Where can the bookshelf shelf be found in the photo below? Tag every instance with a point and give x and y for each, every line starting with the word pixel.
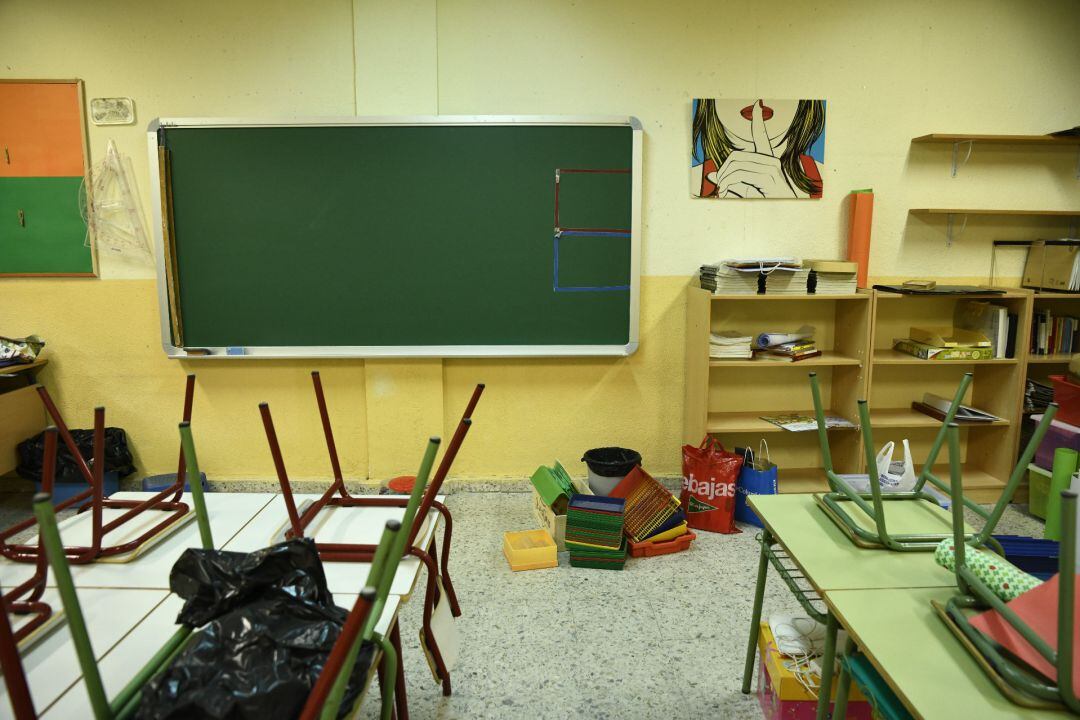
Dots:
pixel 888 356
pixel 1056 359
pixel 864 296
pixel 828 358
pixel 909 418
pixel 751 422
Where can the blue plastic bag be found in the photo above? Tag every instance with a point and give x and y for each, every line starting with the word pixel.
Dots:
pixel 757 477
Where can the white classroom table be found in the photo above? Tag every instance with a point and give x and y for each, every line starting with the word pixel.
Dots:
pixel 51 665
pixel 362 525
pixel 128 607
pixel 128 656
pixel 228 513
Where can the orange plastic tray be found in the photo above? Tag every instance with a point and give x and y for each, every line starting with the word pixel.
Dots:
pixel 648 549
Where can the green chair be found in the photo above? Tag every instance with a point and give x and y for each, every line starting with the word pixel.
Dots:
pixel 365 613
pixel 127 700
pixel 327 694
pixel 923 518
pixel 1016 682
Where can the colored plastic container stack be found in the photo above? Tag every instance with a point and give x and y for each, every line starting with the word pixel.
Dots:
pixel 594 532
pixel 654 523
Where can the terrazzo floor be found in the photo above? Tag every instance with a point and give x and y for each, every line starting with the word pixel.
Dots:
pixel 663 638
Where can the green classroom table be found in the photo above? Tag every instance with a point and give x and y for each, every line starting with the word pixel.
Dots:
pixel 917 655
pixel 828 560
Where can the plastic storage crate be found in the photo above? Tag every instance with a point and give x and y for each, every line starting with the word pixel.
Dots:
pixel 1038 490
pixel 530 550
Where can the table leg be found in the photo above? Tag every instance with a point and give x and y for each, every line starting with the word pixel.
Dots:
pixel 843 683
pixel 755 622
pixel 827 662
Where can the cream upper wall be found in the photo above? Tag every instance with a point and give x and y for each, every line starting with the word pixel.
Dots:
pixel 889 71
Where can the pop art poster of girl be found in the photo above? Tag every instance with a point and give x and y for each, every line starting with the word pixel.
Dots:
pixel 757 148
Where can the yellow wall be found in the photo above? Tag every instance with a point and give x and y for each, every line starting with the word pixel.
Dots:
pixel 889 70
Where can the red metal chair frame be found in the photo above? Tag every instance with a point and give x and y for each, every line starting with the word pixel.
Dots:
pixel 18 690
pixel 354 552
pixel 14 601
pixel 93 499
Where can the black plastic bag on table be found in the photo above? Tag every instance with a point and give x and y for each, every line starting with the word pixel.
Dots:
pixel 270 622
pixel 117 455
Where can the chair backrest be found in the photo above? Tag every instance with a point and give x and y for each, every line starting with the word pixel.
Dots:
pixel 327 694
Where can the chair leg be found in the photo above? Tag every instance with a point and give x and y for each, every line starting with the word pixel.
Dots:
pixel 755 621
pixel 448 531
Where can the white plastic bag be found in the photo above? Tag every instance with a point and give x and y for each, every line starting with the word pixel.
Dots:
pixel 898 476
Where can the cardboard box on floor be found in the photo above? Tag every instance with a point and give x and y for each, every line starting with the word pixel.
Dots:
pixel 780 693
pixel 556 524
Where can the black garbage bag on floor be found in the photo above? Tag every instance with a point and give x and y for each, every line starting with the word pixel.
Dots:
pixel 270 623
pixel 117 455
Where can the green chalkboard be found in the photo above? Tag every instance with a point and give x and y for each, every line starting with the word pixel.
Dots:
pixel 476 239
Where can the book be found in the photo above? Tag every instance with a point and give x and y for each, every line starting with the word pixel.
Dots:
pixel 987 319
pixel 1010 343
pixel 730 344
pixel 785 357
pixel 937 406
pixel 930 352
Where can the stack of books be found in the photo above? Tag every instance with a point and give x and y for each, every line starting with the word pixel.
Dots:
pixel 790 351
pixel 833 277
pixel 1037 395
pixel 722 279
pixel 594 532
pixel 787 281
pixel 730 344
pixel 744 276
pixel 1053 334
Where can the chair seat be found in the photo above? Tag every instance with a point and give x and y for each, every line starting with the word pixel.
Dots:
pixel 903 517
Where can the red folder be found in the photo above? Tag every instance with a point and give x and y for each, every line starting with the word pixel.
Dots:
pixel 1039 609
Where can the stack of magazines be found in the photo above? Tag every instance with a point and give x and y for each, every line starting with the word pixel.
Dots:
pixel 740 276
pixel 1037 395
pixel 730 344
pixel 834 277
pixel 720 279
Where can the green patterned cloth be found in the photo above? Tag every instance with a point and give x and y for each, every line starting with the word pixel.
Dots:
pixel 1003 578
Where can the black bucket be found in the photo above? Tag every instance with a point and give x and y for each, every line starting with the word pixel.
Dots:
pixel 612 461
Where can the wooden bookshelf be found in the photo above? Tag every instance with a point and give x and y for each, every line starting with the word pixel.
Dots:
pixel 989 450
pixel 727 398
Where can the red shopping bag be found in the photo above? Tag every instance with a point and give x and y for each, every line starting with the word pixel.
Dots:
pixel 708 486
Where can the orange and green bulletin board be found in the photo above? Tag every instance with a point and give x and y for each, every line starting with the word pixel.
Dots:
pixel 42 164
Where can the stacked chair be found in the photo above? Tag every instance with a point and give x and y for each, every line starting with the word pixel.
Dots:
pixel 925 513
pixel 326 696
pixel 337 496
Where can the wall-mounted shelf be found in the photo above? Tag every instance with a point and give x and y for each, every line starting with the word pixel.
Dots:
pixel 990 211
pixel 958 139
pixel 998 139
pixel 951 213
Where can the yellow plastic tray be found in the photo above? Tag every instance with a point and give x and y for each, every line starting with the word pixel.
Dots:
pixel 530 550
